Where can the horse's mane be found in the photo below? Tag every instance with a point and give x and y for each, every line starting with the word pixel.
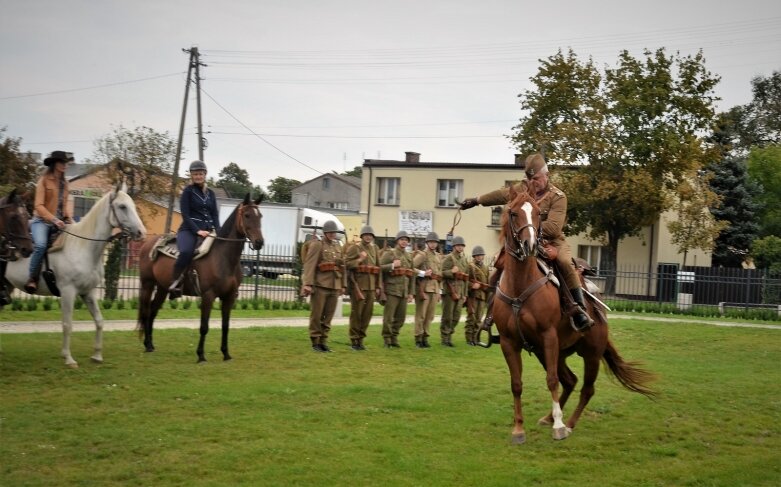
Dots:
pixel 86 226
pixel 229 225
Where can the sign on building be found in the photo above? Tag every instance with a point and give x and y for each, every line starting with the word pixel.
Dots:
pixel 416 223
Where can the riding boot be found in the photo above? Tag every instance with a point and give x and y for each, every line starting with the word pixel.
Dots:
pixel 175 289
pixel 582 320
pixel 32 283
pixel 5 298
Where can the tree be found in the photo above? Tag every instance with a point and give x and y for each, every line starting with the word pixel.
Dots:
pixel 236 182
pixel 738 208
pixel 20 171
pixel 280 190
pixel 764 167
pixel 696 227
pixel 758 124
pixel 357 171
pixel 766 253
pixel 628 135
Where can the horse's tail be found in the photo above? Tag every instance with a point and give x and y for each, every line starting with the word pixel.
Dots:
pixel 629 374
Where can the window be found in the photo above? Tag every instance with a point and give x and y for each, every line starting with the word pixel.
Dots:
pixel 326 184
pixel 595 255
pixel 388 191
pixel 339 205
pixel 82 205
pixel 496 216
pixel 449 191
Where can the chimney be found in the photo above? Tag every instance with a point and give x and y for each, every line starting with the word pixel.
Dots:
pixel 520 161
pixel 412 157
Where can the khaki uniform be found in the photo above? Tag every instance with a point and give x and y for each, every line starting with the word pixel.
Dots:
pixel 397 289
pixel 365 276
pixel 553 215
pixel 425 308
pixel 478 272
pixel 324 271
pixel 451 308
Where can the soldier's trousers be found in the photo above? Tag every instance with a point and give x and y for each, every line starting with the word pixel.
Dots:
pixel 473 320
pixel 564 261
pixel 323 304
pixel 424 315
pixel 393 317
pixel 451 314
pixel 360 313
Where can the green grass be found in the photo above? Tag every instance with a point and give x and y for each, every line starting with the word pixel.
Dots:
pixel 279 414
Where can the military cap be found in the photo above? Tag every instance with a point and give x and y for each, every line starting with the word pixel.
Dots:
pixel 535 164
pixel 458 240
pixel 432 237
pixel 478 250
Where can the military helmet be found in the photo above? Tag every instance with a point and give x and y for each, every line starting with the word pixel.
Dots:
pixel 458 240
pixel 478 250
pixel 197 166
pixel 330 226
pixel 535 164
pixel 367 229
pixel 432 236
pixel 402 234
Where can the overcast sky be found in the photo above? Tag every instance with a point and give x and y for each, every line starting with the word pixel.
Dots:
pixel 329 83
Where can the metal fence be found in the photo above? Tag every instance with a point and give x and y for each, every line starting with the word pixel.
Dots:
pixel 668 288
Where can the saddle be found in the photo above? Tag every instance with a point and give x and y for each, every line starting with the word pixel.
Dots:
pixel 166 245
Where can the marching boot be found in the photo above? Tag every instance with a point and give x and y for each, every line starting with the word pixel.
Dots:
pixel 315 344
pixel 175 289
pixel 582 320
pixel 361 346
pixel 356 345
pixel 388 343
pixel 419 342
pixel 323 346
pixel 426 344
pixel 395 342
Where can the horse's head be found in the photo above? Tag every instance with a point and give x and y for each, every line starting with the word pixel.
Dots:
pixel 14 233
pixel 248 219
pixel 123 214
pixel 520 224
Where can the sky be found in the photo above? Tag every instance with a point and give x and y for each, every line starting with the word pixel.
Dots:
pixel 298 88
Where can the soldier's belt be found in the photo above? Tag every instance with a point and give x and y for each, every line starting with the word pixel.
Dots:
pixel 436 277
pixel 400 271
pixel 461 276
pixel 367 269
pixel 327 266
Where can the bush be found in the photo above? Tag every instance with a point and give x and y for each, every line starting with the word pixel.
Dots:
pixel 48 303
pixel 121 303
pixel 187 304
pixel 78 304
pixel 106 303
pixel 133 303
pixel 174 303
pixel 31 304
pixel 17 304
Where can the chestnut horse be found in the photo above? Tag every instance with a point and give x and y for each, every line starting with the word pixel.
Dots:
pixel 219 274
pixel 528 314
pixel 15 240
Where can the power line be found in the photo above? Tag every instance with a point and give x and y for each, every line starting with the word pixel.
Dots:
pixel 257 135
pixel 118 83
pixel 365 136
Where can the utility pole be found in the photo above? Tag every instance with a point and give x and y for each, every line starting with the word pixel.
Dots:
pixel 175 176
pixel 197 62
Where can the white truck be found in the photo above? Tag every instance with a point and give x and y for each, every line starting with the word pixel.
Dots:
pixel 283 228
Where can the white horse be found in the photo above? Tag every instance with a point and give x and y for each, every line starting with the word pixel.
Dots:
pixel 78 267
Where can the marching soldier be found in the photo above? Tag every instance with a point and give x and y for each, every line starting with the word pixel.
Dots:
pixel 475 303
pixel 363 267
pixel 455 277
pixel 398 275
pixel 429 266
pixel 553 213
pixel 324 280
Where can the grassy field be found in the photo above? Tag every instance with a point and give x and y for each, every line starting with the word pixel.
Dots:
pixel 279 414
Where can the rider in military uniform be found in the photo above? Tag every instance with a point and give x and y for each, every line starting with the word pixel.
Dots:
pixel 398 274
pixel 553 214
pixel 324 280
pixel 478 282
pixel 429 266
pixel 362 260
pixel 455 278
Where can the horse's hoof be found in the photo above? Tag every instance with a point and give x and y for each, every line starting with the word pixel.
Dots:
pixel 519 438
pixel 149 349
pixel 74 365
pixel 97 360
pixel 227 358
pixel 561 433
pixel 545 421
pixel 201 361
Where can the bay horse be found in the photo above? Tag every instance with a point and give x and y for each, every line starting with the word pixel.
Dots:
pixel 78 265
pixel 528 314
pixel 219 274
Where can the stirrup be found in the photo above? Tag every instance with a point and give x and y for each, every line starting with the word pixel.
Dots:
pixel 587 323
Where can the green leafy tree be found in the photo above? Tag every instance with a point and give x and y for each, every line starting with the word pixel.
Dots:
pixel 696 227
pixel 236 182
pixel 758 124
pixel 20 171
pixel 634 131
pixel 280 190
pixel 766 253
pixel 764 167
pixel 357 172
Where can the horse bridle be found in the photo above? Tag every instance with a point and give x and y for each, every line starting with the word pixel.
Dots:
pixel 125 232
pixel 7 249
pixel 239 224
pixel 517 251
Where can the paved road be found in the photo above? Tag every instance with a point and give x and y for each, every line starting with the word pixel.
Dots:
pixel 55 326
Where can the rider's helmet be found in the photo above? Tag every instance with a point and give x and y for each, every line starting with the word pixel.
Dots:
pixel 197 166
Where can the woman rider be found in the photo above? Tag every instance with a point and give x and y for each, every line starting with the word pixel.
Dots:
pixel 50 211
pixel 198 205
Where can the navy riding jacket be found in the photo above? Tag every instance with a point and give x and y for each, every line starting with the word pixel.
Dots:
pixel 199 210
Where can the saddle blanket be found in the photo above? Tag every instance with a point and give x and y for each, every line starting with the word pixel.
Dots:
pixel 166 245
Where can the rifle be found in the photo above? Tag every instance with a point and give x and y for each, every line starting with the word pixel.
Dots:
pixel 358 293
pixel 453 294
